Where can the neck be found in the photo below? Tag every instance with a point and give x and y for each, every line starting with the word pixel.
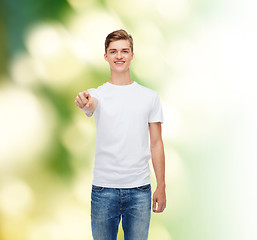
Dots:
pixel 120 78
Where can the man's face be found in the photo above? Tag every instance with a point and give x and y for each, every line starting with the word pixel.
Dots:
pixel 119 56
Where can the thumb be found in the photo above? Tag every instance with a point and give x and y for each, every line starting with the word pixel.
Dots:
pixel 89 103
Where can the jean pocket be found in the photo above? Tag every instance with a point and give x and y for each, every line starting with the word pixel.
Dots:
pixel 97 188
pixel 144 188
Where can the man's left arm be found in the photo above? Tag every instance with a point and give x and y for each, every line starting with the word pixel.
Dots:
pixel 158 160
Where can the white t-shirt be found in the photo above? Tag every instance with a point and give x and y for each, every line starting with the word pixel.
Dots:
pixel 122 148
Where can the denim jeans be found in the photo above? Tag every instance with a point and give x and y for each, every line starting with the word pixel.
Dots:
pixel 109 205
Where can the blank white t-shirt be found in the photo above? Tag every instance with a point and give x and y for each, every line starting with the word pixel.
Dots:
pixel 122 150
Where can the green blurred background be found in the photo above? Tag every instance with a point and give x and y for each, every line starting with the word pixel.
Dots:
pixel 200 56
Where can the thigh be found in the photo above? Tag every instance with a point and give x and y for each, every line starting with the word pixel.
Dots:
pixel 136 217
pixel 105 216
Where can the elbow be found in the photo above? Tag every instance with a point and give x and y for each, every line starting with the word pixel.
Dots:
pixel 156 144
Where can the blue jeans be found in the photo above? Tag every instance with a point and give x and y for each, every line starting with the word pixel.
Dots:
pixel 108 205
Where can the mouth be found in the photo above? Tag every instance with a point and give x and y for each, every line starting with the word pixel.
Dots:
pixel 119 62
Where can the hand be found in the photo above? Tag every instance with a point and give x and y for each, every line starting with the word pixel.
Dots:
pixel 159 197
pixel 84 100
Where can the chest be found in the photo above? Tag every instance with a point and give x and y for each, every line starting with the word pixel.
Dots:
pixel 120 105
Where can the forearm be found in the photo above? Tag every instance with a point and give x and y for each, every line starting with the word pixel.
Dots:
pixel 158 161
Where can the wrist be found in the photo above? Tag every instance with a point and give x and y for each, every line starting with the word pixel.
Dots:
pixel 87 110
pixel 161 185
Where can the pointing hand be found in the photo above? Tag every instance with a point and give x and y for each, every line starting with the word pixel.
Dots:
pixel 84 100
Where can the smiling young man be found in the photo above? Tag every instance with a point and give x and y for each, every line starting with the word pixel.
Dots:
pixel 124 113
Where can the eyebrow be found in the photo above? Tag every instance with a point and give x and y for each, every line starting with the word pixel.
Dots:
pixel 116 49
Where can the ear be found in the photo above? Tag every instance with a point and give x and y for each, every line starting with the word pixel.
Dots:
pixel 105 57
pixel 132 55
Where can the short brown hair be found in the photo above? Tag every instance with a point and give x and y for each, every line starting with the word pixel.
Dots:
pixel 118 35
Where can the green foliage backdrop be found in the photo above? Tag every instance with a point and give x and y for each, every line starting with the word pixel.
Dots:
pixel 199 55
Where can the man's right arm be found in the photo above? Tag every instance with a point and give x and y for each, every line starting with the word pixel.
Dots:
pixel 86 103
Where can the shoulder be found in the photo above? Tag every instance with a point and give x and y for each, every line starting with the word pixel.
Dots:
pixel 97 90
pixel 103 86
pixel 146 90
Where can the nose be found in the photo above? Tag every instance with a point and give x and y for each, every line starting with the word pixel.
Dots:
pixel 119 55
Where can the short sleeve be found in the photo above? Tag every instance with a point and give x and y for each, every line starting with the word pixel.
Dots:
pixel 93 93
pixel 156 114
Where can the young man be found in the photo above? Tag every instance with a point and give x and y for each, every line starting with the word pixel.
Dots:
pixel 124 111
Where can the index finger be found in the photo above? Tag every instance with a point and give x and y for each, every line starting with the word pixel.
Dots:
pixel 86 94
pixel 154 204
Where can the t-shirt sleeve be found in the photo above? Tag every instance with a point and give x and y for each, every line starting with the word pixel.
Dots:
pixel 93 93
pixel 156 114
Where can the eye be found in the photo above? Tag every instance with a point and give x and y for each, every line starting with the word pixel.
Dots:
pixel 125 51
